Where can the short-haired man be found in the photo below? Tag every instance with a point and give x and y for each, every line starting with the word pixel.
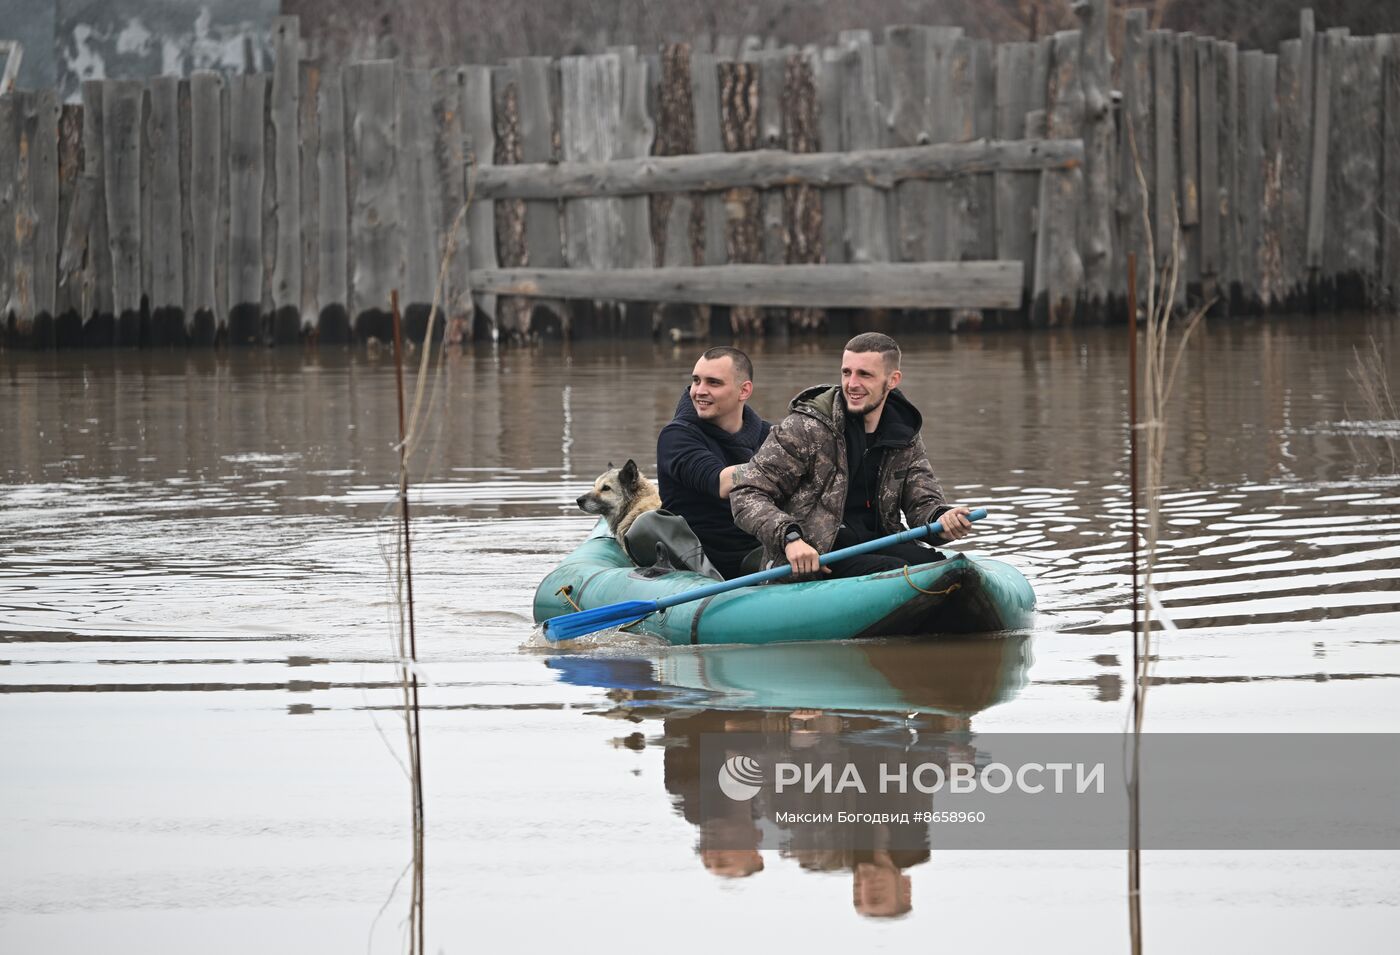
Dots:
pixel 714 431
pixel 841 467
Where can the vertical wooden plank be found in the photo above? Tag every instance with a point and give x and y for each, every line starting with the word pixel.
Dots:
pixel 121 147
pixel 589 116
pixel 674 216
pixel 1228 93
pixel 772 69
pixel 802 205
pixel 1166 219
pixel 1351 249
pixel 10 120
pixel 1135 150
pixel 738 85
pixel 333 259
pixel 1188 162
pixel 286 181
pixel 982 192
pixel 866 222
pixel 537 97
pixel 246 168
pixel 481 217
pixel 911 124
pixel 704 78
pixel 75 210
pixel 99 324
pixel 448 136
pixel 1390 199
pixel 167 289
pixel 827 66
pixel 513 314
pixel 206 186
pixel 376 233
pixel 633 139
pixel 1208 131
pixel 1323 55
pixel 1252 116
pixel 418 189
pixel 308 104
pixel 947 86
pixel 1097 225
pixel 1268 174
pixel 42 125
pixel 1016 191
pixel 186 164
pixel 1288 167
pixel 146 191
pixel 1060 270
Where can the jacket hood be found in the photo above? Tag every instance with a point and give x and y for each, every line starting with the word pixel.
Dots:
pixel 749 435
pixel 899 422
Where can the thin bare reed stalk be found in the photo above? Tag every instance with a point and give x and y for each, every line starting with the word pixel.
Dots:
pixel 400 566
pixel 1159 374
pixel 1369 376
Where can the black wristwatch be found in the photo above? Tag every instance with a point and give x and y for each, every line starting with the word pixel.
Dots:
pixel 792 534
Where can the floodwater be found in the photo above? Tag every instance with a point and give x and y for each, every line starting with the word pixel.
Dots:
pixel 198 718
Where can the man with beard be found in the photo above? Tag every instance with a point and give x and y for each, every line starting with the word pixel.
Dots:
pixel 841 468
pixel 714 431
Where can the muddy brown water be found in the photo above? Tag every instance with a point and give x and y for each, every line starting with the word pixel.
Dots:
pixel 198 714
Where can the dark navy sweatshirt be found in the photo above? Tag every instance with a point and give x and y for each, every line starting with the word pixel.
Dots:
pixel 690 453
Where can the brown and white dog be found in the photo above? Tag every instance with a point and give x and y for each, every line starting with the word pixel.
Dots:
pixel 620 496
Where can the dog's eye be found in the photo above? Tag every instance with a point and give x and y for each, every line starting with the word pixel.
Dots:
pixel 607 487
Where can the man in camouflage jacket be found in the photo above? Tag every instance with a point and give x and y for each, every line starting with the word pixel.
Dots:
pixel 840 469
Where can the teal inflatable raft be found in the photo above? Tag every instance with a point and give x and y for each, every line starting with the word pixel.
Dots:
pixel 962 594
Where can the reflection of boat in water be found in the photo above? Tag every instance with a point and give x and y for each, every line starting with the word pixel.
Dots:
pixel 962 594
pixel 953 678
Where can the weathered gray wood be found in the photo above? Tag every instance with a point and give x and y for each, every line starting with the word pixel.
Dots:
pixel 993 284
pixel 68 303
pixel 286 285
pixel 1252 115
pixel 879 168
pixel 950 91
pixel 448 137
pixel 11 117
pixel 147 189
pixel 1096 232
pixel 121 149
pixel 206 187
pixel 333 269
pixel 1016 191
pixel 1288 168
pixel 246 168
pixel 1059 267
pixel 704 79
pixel 41 128
pixel 1324 49
pixel 827 66
pixel 1164 200
pixel 590 114
pixel 1188 157
pixel 537 101
pixel 1208 131
pixel 481 147
pixel 867 228
pixel 802 204
pixel 186 162
pixel 1135 150
pixel 1390 150
pixel 376 223
pixel 911 125
pixel 1351 254
pixel 418 191
pixel 772 67
pixel 635 134
pixel 738 84
pixel 308 104
pixel 98 322
pixel 167 289
pixel 1228 94
pixel 1269 213
pixel 980 196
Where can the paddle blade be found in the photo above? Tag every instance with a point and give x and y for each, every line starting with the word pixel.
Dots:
pixel 571 625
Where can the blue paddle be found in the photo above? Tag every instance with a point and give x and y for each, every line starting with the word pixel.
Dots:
pixel 570 625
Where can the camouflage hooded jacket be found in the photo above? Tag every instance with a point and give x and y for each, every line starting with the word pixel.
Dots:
pixel 800 474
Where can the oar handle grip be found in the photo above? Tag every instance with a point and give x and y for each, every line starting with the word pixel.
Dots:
pixel 778 573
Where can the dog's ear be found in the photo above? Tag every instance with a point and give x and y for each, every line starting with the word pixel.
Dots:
pixel 628 475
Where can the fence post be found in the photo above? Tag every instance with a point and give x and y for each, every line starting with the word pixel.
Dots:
pixel 1097 227
pixel 121 149
pixel 287 139
pixel 167 288
pixel 246 157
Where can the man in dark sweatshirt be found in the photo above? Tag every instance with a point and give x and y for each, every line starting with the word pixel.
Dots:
pixel 713 432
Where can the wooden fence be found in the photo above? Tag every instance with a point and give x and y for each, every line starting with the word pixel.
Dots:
pixel 725 186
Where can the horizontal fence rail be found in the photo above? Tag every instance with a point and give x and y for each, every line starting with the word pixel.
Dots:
pixel 707 188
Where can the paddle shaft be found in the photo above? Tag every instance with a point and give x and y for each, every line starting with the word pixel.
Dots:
pixel 777 573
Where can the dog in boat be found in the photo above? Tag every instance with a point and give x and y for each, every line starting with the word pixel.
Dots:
pixel 620 496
